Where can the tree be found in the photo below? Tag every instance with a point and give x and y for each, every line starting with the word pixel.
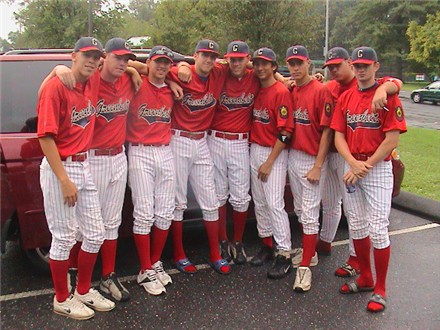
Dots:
pixel 425 42
pixel 59 23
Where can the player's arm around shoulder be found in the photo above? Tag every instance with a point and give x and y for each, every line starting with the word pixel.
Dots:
pixel 387 86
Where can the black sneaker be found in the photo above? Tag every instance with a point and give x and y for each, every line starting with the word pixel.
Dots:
pixel 72 277
pixel 238 254
pixel 225 250
pixel 263 255
pixel 280 268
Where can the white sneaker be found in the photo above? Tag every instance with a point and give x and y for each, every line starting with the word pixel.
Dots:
pixel 72 308
pixel 298 255
pixel 95 300
pixel 162 276
pixel 148 279
pixel 303 279
pixel 111 286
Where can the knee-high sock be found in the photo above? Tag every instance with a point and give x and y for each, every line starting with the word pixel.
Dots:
pixel 142 243
pixel 58 269
pixel 86 262
pixel 239 220
pixel 362 247
pixel 211 228
pixel 222 233
pixel 268 241
pixel 309 248
pixel 158 240
pixel 381 261
pixel 177 237
pixel 108 256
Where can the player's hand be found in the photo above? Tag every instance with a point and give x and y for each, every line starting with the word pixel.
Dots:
pixel 136 80
pixel 379 99
pixel 349 177
pixel 184 74
pixel 66 76
pixel 318 76
pixel 70 192
pixel 313 175
pixel 176 89
pixel 264 171
pixel 289 83
pixel 360 169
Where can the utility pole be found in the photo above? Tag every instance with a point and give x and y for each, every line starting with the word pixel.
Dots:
pixel 90 18
pixel 326 33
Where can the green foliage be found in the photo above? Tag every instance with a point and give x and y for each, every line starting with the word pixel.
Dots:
pixel 425 42
pixel 59 23
pixel 418 150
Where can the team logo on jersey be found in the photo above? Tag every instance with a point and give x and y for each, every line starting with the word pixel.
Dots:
pixel 328 109
pixel 151 116
pixel 302 117
pixel 111 111
pixel 283 112
pixel 82 117
pixel 261 116
pixel 399 113
pixel 236 103
pixel 363 120
pixel 195 105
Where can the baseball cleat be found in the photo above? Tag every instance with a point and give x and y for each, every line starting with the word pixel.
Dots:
pixel 263 255
pixel 110 285
pixel 72 277
pixel 72 308
pixel 303 279
pixel 161 274
pixel 148 280
pixel 225 250
pixel 297 258
pixel 95 300
pixel 280 268
pixel 238 254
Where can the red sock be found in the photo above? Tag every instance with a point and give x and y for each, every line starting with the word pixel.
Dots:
pixel 211 228
pixel 309 249
pixel 381 261
pixel 239 220
pixel 177 237
pixel 268 241
pixel 362 248
pixel 142 243
pixel 353 262
pixel 158 240
pixel 222 234
pixel 58 269
pixel 323 247
pixel 73 257
pixel 108 256
pixel 86 262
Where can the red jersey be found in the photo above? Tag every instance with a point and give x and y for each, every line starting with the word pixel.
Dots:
pixel 111 112
pixel 68 115
pixel 312 111
pixel 194 113
pixel 234 108
pixel 363 129
pixel 272 113
pixel 149 118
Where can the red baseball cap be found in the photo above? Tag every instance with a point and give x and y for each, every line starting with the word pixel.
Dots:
pixel 265 54
pixel 336 55
pixel 119 46
pixel 297 52
pixel 207 46
pixel 364 55
pixel 237 49
pixel 161 51
pixel 86 44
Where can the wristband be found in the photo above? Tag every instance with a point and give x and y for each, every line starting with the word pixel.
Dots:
pixel 284 139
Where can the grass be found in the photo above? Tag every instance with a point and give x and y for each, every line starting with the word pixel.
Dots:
pixel 419 150
pixel 413 85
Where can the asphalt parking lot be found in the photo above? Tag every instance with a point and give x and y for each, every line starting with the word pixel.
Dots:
pixel 247 299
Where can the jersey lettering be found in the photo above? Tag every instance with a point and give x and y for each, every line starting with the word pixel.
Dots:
pixel 261 116
pixel 236 103
pixel 110 111
pixel 363 120
pixel 161 115
pixel 302 117
pixel 195 105
pixel 81 117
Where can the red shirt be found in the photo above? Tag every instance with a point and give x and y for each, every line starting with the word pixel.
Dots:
pixel 111 112
pixel 149 119
pixel 312 111
pixel 234 108
pixel 272 113
pixel 194 113
pixel 68 115
pixel 363 129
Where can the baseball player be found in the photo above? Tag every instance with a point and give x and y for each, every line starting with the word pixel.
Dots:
pixel 339 65
pixel 312 111
pixel 151 169
pixel 366 138
pixel 272 126
pixel 66 121
pixel 191 118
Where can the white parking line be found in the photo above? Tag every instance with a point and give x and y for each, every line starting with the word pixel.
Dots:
pixel 35 293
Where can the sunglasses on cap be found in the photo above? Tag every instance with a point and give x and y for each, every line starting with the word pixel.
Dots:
pixel 163 52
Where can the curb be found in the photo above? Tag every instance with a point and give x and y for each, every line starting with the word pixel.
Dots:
pixel 421 206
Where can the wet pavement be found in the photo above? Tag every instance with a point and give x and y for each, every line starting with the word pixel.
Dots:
pixel 247 299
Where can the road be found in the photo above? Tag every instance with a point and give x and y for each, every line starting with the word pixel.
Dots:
pixel 424 115
pixel 246 299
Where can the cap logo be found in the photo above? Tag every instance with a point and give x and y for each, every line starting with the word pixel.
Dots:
pixel 94 41
pixel 211 45
pixel 360 53
pixel 235 48
pixel 294 50
pixel 330 55
pixel 260 51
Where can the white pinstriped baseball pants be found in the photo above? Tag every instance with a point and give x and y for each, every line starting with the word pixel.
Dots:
pixel 268 197
pixel 306 196
pixel 193 162
pixel 110 176
pixel 368 208
pixel 65 221
pixel 231 171
pixel 151 178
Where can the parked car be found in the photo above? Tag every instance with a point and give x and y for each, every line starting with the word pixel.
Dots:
pixel 428 93
pixel 22 211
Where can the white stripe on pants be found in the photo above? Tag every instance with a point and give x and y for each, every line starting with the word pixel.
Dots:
pixel 369 207
pixel 110 176
pixel 193 162
pixel 64 221
pixel 151 177
pixel 306 196
pixel 268 197
pixel 231 171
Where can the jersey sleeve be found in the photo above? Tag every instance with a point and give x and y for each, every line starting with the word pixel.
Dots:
pixel 284 112
pixel 326 105
pixel 173 74
pixel 48 109
pixel 390 79
pixel 394 118
pixel 339 121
